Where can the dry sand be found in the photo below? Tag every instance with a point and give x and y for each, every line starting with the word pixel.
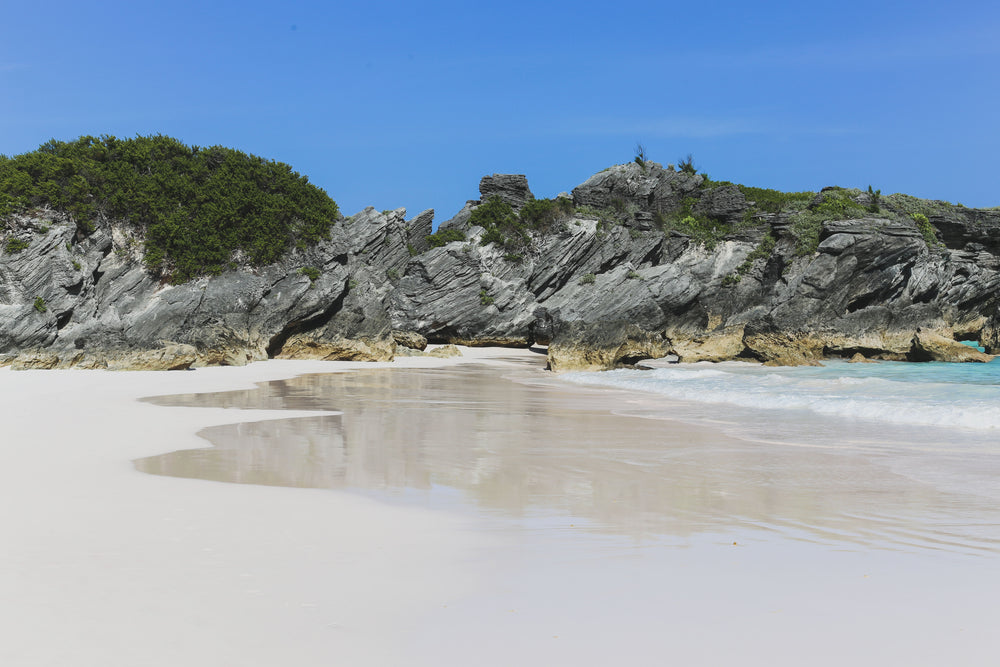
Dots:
pixel 479 536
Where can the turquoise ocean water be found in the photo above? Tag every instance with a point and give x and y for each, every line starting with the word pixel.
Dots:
pixel 937 420
pixel 965 396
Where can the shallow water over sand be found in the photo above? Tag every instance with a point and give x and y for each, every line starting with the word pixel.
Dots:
pixel 470 437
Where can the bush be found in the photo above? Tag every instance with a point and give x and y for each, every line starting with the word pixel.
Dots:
pixel 443 237
pixel 640 156
pixel 484 298
pixel 927 230
pixel 731 279
pixel 837 204
pixel 542 215
pixel 686 165
pixel 497 217
pixel 775 201
pixel 588 279
pixel 874 199
pixel 310 272
pixel 510 230
pixel 15 246
pixel 40 304
pixel 806 228
pixel 700 228
pixel 197 208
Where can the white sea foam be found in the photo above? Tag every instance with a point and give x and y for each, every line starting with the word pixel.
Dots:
pixel 945 395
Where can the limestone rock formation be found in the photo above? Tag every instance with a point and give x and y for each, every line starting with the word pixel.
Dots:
pixel 92 303
pixel 510 188
pixel 645 261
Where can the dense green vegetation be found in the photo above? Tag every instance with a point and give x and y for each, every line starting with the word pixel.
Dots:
pixel 441 237
pixel 510 230
pixel 14 246
pixel 775 201
pixel 199 210
pixel 927 230
pixel 311 272
pixel 702 228
pixel 834 204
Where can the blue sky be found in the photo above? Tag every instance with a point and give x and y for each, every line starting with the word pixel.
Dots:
pixel 408 104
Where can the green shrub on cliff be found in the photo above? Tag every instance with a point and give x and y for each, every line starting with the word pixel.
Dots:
pixel 198 209
pixel 775 201
pixel 834 204
pixel 510 230
pixel 311 272
pixel 542 215
pixel 444 236
pixel 497 217
pixel 15 246
pixel 927 230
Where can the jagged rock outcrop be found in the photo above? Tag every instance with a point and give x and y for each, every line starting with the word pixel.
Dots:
pixel 510 188
pixel 869 286
pixel 92 303
pixel 931 346
pixel 618 276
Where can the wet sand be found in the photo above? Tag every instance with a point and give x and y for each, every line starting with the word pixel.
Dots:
pixel 471 513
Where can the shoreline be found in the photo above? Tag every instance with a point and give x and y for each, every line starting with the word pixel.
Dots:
pixel 108 560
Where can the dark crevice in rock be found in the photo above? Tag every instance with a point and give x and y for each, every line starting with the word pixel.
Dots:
pixel 551 286
pixel 75 288
pixel 630 361
pixel 278 340
pixel 978 303
pixel 440 334
pixel 849 352
pixel 862 302
pixel 62 319
pixel 652 258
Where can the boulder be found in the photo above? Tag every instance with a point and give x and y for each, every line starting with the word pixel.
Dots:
pixel 933 346
pixel 409 339
pixel 444 352
pixel 510 188
pixel 720 345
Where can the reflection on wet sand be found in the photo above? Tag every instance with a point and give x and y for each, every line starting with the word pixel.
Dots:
pixel 514 447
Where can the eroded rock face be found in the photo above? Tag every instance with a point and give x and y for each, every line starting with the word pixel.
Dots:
pixel 873 282
pixel 599 294
pixel 92 303
pixel 931 346
pixel 510 188
pixel 410 339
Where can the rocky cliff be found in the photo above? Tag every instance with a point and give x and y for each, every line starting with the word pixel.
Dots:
pixel 639 261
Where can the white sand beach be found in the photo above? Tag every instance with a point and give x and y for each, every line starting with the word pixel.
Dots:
pixel 556 539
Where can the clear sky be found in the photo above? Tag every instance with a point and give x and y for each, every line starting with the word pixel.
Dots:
pixel 409 103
